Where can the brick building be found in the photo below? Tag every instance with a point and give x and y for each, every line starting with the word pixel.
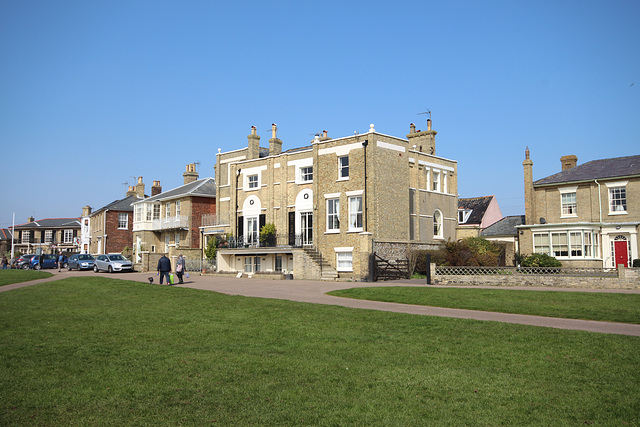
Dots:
pixel 111 227
pixel 332 202
pixel 586 215
pixel 50 235
pixel 170 222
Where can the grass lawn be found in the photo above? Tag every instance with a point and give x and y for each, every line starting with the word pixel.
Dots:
pixel 101 351
pixel 610 307
pixel 8 277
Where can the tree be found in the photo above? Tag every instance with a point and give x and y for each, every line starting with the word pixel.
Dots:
pixel 212 248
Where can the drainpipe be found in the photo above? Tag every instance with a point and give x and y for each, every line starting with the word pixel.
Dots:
pixel 604 262
pixel 104 231
pixel 364 222
pixel 599 201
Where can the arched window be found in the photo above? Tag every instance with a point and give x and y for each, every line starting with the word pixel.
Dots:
pixel 437 224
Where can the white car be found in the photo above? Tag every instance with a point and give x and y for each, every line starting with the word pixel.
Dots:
pixel 111 263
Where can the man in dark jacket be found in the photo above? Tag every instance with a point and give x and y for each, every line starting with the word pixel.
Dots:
pixel 164 268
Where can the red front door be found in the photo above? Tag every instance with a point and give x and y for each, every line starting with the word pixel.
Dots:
pixel 621 254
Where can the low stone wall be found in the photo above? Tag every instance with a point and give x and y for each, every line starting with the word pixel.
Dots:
pixel 261 275
pixel 399 250
pixel 628 278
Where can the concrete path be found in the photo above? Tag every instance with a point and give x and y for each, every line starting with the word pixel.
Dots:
pixel 315 292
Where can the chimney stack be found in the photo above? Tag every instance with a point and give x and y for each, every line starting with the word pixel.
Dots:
pixel 86 211
pixel 568 162
pixel 275 145
pixel 190 175
pixel 130 191
pixel 426 140
pixel 254 144
pixel 529 208
pixel 156 188
pixel 140 188
pixel 31 219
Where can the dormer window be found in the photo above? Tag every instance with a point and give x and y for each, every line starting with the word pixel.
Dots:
pixel 463 215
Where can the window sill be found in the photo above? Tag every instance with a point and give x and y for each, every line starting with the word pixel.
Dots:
pixel 619 213
pixel 569 216
pixel 344 270
pixel 332 232
pixel 343 179
pixel 355 230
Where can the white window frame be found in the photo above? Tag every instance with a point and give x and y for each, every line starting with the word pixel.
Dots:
pixel 438 224
pixel 435 183
pixel 343 170
pixel 138 213
pixel 67 236
pixel 177 239
pixel 463 215
pixel 355 216
pixel 567 243
pixel 333 215
pixel 26 236
pixel 178 208
pixel 167 210
pixel 121 221
pixel 616 208
pixel 344 259
pixel 156 211
pixel 306 174
pixel 48 236
pixel 253 181
pixel 568 207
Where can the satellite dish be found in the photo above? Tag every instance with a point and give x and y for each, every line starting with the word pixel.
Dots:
pixel 543 221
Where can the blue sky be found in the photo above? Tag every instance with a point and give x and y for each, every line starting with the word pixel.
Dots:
pixel 94 94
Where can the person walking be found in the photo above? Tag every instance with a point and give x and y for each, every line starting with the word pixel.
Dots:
pixel 164 268
pixel 4 262
pixel 181 268
pixel 60 261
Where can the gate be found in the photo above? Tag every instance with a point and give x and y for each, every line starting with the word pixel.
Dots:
pixel 390 269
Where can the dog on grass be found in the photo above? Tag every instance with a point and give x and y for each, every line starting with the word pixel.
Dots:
pixel 150 280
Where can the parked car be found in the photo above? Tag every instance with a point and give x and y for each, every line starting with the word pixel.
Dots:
pixel 111 263
pixel 44 261
pixel 80 262
pixel 23 261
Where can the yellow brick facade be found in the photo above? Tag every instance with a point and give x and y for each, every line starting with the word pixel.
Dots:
pixel 590 231
pixel 392 193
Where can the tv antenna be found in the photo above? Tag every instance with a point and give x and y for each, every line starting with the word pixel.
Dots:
pixel 426 112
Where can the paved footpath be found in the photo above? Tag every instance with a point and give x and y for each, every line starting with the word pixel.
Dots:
pixel 315 292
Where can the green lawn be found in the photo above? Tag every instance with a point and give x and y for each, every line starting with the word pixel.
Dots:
pixel 610 307
pixel 8 277
pixel 101 351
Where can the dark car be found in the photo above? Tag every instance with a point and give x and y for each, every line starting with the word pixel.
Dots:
pixel 111 263
pixel 23 261
pixel 80 262
pixel 44 261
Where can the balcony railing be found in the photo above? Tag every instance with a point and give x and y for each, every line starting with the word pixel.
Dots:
pixel 170 223
pixel 278 241
pixel 214 220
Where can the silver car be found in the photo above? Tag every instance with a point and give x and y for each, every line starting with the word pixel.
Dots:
pixel 111 263
pixel 80 262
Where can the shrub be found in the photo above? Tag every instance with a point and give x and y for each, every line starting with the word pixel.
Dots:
pixel 212 248
pixel 540 260
pixel 268 235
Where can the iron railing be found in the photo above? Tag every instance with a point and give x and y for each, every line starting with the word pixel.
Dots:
pixel 214 220
pixel 280 240
pixel 538 271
